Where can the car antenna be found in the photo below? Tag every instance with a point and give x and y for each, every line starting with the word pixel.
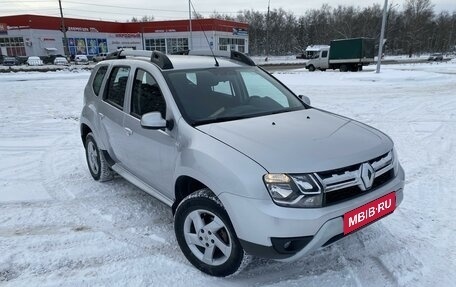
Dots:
pixel 207 40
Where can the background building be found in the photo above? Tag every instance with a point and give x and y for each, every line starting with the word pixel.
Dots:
pixel 32 35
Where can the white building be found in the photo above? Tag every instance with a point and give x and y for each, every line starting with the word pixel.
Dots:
pixel 32 35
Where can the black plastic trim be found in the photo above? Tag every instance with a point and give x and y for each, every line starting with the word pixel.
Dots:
pixel 262 251
pixel 108 158
pixel 277 251
pixel 241 57
pixel 161 60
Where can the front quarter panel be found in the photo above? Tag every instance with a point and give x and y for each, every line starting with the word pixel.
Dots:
pixel 217 165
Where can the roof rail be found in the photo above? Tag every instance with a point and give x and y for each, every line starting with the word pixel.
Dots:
pixel 241 57
pixel 233 55
pixel 181 52
pixel 115 55
pixel 161 60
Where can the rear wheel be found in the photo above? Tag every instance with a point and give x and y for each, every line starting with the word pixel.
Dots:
pixel 98 166
pixel 343 68
pixel 206 236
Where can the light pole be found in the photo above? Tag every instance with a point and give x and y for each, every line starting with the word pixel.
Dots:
pixel 190 44
pixel 267 33
pixel 65 39
pixel 382 35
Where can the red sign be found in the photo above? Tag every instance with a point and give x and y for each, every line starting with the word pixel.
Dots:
pixel 369 212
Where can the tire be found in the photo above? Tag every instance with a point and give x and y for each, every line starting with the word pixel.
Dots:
pixel 211 235
pixel 98 166
pixel 343 68
pixel 322 70
pixel 311 68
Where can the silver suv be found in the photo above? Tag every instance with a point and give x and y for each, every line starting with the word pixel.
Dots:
pixel 246 166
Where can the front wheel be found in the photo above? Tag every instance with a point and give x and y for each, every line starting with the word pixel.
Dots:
pixel 311 68
pixel 206 236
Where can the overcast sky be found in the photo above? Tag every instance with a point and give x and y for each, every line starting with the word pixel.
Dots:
pixel 122 10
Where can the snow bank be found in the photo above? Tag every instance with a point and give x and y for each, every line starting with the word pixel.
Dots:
pixel 60 228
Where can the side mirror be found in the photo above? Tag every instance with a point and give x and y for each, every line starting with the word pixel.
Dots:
pixel 153 121
pixel 305 99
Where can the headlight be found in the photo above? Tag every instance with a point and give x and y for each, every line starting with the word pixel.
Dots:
pixel 293 190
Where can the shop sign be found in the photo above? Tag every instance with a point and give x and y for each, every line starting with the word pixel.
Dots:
pixel 240 31
pixel 127 35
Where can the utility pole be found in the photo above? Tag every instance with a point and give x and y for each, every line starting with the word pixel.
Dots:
pixel 382 35
pixel 267 33
pixel 190 44
pixel 63 28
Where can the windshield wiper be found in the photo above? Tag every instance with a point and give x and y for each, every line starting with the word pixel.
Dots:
pixel 220 119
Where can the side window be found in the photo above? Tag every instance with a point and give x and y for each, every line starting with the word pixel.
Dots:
pixel 98 79
pixel 146 95
pixel 117 84
pixel 324 54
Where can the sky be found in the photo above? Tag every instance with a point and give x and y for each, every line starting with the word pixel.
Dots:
pixel 121 10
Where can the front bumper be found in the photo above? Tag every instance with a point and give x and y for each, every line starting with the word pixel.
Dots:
pixel 259 222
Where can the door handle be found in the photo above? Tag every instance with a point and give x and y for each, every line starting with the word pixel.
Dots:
pixel 101 115
pixel 128 131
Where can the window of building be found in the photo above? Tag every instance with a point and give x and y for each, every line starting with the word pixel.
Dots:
pixel 98 80
pixel 237 44
pixel 146 96
pixel 14 46
pixel 89 46
pixel 168 46
pixel 176 44
pixel 115 93
pixel 156 44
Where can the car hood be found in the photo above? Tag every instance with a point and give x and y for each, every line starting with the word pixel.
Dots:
pixel 301 141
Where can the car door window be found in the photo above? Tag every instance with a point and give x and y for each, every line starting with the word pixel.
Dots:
pixel 117 85
pixel 324 54
pixel 146 95
pixel 98 79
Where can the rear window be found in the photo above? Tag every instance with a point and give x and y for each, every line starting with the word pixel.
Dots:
pixel 98 79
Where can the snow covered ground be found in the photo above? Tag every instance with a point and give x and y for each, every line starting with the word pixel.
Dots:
pixel 58 227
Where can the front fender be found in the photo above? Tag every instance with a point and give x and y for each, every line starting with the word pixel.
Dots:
pixel 219 166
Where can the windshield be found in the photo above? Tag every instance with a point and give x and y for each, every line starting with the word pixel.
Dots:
pixel 224 94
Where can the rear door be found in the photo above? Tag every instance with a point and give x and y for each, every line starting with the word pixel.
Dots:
pixel 111 109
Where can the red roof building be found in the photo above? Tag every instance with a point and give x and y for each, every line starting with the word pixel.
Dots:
pixel 33 35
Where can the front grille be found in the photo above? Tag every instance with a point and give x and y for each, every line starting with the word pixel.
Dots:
pixel 344 184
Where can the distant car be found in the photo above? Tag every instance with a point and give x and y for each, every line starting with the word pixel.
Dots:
pixel 61 61
pixel 436 57
pixel 9 61
pixel 50 58
pixel 34 61
pixel 81 59
pixel 100 57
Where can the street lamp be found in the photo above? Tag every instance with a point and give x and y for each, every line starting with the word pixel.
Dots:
pixel 382 35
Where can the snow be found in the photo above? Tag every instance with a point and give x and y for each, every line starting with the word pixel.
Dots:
pixel 58 227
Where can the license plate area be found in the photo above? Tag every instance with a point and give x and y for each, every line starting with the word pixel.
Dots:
pixel 369 212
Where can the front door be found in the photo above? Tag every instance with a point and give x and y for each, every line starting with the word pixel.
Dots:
pixel 149 154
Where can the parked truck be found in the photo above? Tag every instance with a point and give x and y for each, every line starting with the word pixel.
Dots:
pixel 344 54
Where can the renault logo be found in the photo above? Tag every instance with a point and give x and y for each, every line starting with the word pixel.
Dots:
pixel 367 176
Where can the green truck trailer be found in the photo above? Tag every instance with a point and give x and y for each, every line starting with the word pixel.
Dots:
pixel 345 55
